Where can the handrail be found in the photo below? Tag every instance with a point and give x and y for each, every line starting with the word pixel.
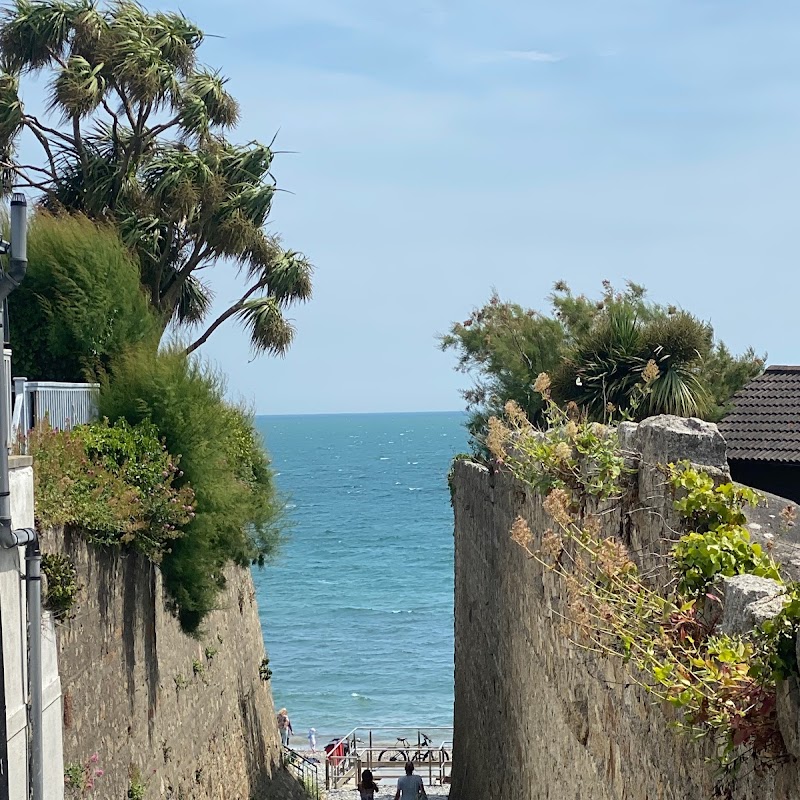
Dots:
pixel 303 769
pixel 345 756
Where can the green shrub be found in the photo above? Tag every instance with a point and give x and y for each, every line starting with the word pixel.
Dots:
pixel 237 510
pixel 114 482
pixel 62 584
pixel 724 552
pixel 80 303
pixel 137 456
pixel 720 544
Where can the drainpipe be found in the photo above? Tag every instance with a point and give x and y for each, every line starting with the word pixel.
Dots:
pixel 23 536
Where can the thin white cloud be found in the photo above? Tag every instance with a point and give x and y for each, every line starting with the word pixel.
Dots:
pixel 537 56
pixel 502 56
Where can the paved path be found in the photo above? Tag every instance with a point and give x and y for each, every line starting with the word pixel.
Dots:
pixel 386 793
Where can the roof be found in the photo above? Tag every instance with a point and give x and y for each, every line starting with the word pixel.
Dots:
pixel 764 421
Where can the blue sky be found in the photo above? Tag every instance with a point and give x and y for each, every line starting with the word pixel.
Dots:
pixel 445 149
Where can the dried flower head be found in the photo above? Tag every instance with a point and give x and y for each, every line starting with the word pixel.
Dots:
pixel 562 452
pixel 650 372
pixel 557 504
pixel 552 545
pixel 571 430
pixel 613 558
pixel 521 533
pixel 515 415
pixel 542 384
pixel 592 527
pixel 496 438
pixel 788 516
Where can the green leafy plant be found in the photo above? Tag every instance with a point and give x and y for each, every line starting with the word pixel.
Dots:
pixel 80 304
pixel 180 681
pixel 198 669
pixel 80 778
pixel 720 545
pixel 210 652
pixel 264 672
pixel 137 788
pixel 572 454
pixel 62 584
pixel 115 483
pixel 724 552
pixel 136 454
pixel 596 350
pixel 238 515
pixel 779 638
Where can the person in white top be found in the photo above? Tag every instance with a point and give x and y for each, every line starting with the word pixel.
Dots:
pixel 312 739
pixel 410 786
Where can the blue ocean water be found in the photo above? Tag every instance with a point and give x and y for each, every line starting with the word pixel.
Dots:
pixel 357 610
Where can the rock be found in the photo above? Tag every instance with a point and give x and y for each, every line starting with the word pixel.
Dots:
pixel 747 601
pixel 667 438
pixel 628 435
pixel 788 710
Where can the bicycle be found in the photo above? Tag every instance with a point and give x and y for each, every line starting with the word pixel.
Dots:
pixel 423 755
pixel 398 754
pixel 402 752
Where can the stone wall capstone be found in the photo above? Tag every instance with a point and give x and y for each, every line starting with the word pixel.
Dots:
pixel 188 718
pixel 539 718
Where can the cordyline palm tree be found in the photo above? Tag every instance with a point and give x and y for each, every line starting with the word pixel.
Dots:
pixel 604 367
pixel 135 134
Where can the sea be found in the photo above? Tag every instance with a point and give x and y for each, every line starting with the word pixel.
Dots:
pixel 357 608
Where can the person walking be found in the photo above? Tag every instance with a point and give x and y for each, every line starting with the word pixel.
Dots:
pixel 312 739
pixel 284 727
pixel 367 788
pixel 410 786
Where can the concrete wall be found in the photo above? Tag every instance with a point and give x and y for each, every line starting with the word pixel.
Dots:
pixel 13 623
pixel 190 716
pixel 537 717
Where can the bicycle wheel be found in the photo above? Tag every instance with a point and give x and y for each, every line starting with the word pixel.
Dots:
pixel 392 755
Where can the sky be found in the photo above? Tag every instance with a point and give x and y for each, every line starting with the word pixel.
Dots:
pixel 442 149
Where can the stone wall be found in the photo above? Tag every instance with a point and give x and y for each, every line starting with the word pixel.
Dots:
pixel 537 717
pixel 189 717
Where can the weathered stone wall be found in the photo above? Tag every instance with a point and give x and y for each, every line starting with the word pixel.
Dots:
pixel 190 716
pixel 538 717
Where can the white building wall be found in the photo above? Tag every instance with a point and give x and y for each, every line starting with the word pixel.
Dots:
pixel 14 626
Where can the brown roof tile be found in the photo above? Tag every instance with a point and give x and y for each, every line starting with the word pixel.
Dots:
pixel 764 421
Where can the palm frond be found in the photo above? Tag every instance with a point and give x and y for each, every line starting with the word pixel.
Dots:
pixel 290 278
pixel 269 331
pixel 194 302
pixel 78 88
pixel 33 32
pixel 11 109
pixel 209 87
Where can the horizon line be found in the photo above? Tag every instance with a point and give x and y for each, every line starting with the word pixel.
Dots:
pixel 355 413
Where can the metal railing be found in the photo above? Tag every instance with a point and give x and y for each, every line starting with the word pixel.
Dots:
pixel 385 753
pixel 303 769
pixel 63 405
